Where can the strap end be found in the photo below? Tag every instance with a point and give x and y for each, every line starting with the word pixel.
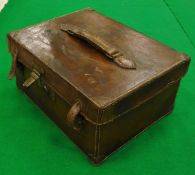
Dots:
pixel 125 63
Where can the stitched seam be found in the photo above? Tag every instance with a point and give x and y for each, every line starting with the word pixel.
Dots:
pixel 95 146
pixel 96 135
pixel 108 121
pixel 99 135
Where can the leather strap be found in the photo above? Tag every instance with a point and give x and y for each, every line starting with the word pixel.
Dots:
pixel 14 52
pixel 111 52
pixel 72 115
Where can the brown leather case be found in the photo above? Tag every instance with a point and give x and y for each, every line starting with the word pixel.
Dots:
pixel 101 82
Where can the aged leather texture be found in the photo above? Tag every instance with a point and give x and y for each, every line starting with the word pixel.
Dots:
pixel 112 70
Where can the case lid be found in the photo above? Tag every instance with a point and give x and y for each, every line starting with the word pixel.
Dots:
pixel 101 59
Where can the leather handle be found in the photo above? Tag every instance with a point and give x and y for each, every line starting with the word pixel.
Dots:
pixel 72 115
pixel 111 52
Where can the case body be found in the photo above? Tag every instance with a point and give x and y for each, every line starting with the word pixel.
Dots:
pixel 101 82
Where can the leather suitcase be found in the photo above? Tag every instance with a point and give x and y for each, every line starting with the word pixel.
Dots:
pixel 100 81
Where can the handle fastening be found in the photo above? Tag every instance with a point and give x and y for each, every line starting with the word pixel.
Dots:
pixel 111 52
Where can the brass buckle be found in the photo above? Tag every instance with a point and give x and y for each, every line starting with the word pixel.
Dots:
pixel 33 77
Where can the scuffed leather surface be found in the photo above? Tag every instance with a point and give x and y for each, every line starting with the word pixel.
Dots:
pixel 98 78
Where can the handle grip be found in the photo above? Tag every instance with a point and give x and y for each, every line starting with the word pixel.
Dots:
pixel 72 115
pixel 111 52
